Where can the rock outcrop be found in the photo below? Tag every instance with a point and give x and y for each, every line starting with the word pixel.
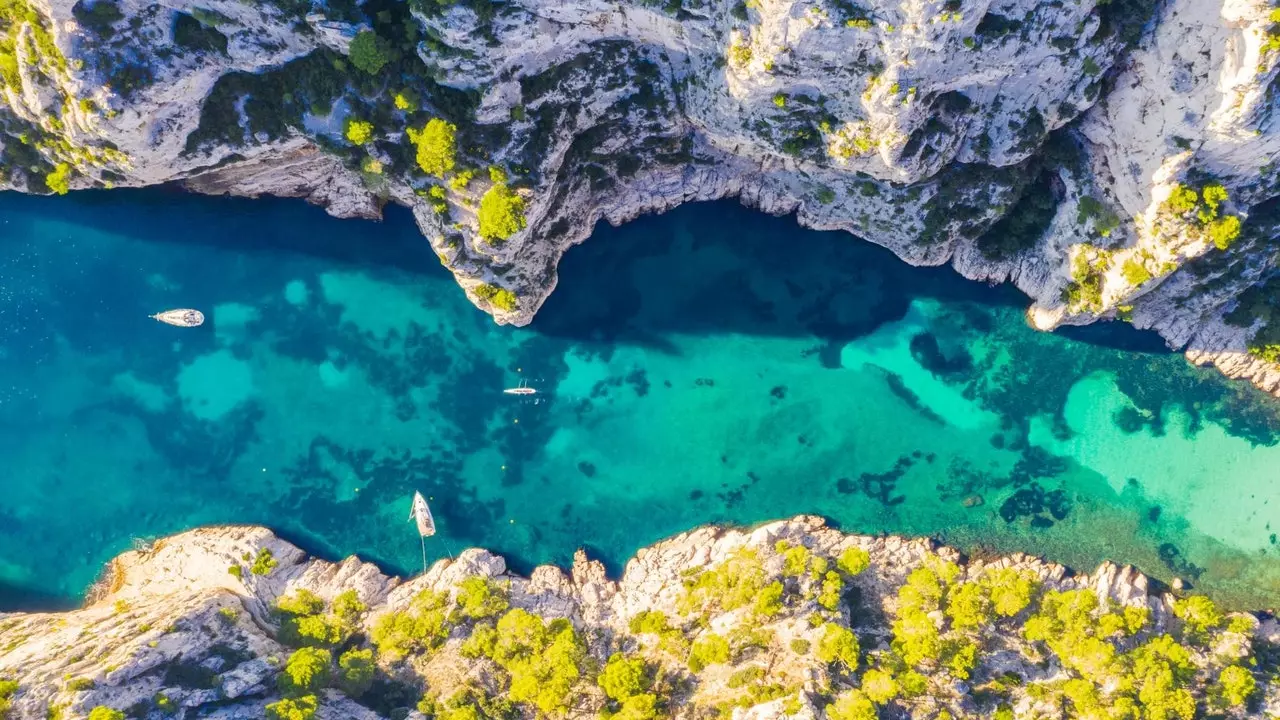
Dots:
pixel 1046 144
pixel 195 625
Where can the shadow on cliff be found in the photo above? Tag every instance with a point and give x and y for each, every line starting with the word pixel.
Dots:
pixel 720 268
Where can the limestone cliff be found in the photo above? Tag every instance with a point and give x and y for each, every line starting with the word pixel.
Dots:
pixel 789 619
pixel 1047 144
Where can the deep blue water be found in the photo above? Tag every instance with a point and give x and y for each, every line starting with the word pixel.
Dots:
pixel 710 365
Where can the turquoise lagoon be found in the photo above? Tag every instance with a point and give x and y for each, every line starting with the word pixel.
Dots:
pixel 710 365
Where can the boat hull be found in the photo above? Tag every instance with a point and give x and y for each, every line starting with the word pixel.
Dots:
pixel 182 317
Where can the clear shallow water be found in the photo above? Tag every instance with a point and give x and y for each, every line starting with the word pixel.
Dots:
pixel 709 365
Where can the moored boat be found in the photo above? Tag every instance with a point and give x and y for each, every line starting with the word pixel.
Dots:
pixel 181 317
pixel 422 514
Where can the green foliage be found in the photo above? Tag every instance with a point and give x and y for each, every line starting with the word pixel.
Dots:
pixel 1224 231
pixel 710 649
pixel 301 603
pixel 369 52
pixel 1182 200
pixel 732 584
pixel 769 602
pixel 838 645
pixel 406 100
pixel 236 571
pixel 853 561
pixel 355 671
pixel 623 677
pixel 780 100
pixel 80 684
pixel 501 298
pixel 1235 685
pixel 348 607
pixel 544 660
pixel 1135 272
pixel 8 688
pixel 102 712
pixel 830 592
pixel 263 563
pixel 419 628
pixel 852 705
pixel 479 598
pixel 436 144
pixel 301 708
pixel 1199 613
pixel 460 181
pixel 800 646
pixel 1010 590
pixel 1105 221
pixel 962 658
pixel 968 606
pixel 358 132
pixel 306 672
pixel 825 195
pixel 98 17
pixel 501 213
pixel 795 560
pixel 638 707
pixel 59 181
pixel 880 686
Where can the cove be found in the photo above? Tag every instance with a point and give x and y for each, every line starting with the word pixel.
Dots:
pixel 709 365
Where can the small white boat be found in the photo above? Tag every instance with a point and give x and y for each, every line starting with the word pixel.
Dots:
pixel 521 389
pixel 422 513
pixel 181 317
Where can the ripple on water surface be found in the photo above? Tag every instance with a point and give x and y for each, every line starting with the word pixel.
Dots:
pixel 711 365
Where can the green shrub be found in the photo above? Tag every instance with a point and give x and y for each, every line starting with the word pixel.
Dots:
pixel 419 628
pixel 263 563
pixel 769 602
pixel 59 181
pixel 831 591
pixel 838 646
pixel 358 132
pixel 968 606
pixel 732 584
pixel 880 686
pixel 1135 272
pixel 800 646
pixel 623 677
pixel 543 659
pixel 302 708
pixel 1235 685
pixel 501 213
pixel 795 560
pixel 80 684
pixel 369 52
pixel 501 298
pixel 1199 613
pixel 852 705
pixel 436 145
pixel 306 672
pixel 1182 200
pixel 355 671
pixel 638 707
pixel 347 607
pixel 102 712
pixel 302 602
pixel 236 571
pixel 479 598
pixel 1010 590
pixel 853 561
pixel 1224 231
pixel 710 649
pixel 98 17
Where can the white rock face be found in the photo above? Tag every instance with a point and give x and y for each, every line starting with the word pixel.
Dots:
pixel 172 620
pixel 913 125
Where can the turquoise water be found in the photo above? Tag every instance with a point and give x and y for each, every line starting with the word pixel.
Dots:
pixel 709 365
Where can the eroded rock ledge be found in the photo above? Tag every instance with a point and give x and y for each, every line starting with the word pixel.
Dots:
pixel 1046 144
pixel 788 619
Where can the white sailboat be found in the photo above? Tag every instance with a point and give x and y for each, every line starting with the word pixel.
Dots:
pixel 421 512
pixel 521 389
pixel 182 317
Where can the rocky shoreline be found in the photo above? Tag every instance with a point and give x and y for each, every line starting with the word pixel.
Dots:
pixel 204 623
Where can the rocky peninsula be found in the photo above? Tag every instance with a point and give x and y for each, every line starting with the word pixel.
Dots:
pixel 1112 159
pixel 790 619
